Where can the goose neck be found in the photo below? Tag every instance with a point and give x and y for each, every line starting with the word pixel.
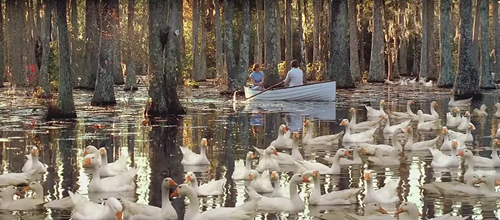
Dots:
pixel 165 197
pixel 194 204
pixel 248 164
pixel 408 109
pixel 317 187
pixel 353 118
pixel 294 194
pixel 104 160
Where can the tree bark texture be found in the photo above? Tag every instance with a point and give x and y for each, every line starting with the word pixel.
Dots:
pixel 116 59
pixel 338 68
pixel 271 41
pixel 75 67
pixel 476 33
pixel 424 46
pixel 163 90
pixel 354 41
pixel 446 76
pixel 131 80
pixel 104 93
pixel 18 70
pixel 43 79
pixel 218 41
pixel 316 30
pixel 203 48
pixel 302 59
pixel 403 39
pixel 65 106
pixel 484 62
pixel 432 73
pixel 194 41
pixel 377 67
pixel 2 50
pixel 467 78
pixel 496 29
pixel 288 34
pixel 92 38
pixel 259 32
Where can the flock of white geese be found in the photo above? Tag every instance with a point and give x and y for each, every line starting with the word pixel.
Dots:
pixel 262 181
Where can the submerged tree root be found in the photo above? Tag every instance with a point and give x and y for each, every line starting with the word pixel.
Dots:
pixel 54 112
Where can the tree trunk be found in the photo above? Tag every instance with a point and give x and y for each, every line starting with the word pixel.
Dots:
pixel 194 41
pixel 218 41
pixel 64 107
pixel 163 90
pixel 131 81
pixel 496 30
pixel 424 45
pixel 288 35
pixel 467 78
pixel 203 49
pixel 43 79
pixel 403 40
pixel 180 43
pixel 2 51
pixel 486 78
pixel 116 59
pixel 279 29
pixel 88 79
pixel 17 68
pixel 432 73
pixel 316 30
pixel 302 59
pixel 338 68
pixel 446 76
pixel 377 67
pixel 237 73
pixel 475 34
pixel 354 41
pixel 258 32
pixel 271 47
pixel 104 93
pixel 75 69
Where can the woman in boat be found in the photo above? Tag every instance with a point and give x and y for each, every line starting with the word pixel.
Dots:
pixel 257 77
pixel 294 77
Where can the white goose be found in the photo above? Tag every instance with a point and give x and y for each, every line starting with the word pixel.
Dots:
pixel 416 146
pixel 383 149
pixel 453 119
pixel 136 211
pixel 91 151
pixel 282 204
pixel 283 141
pixel 24 204
pixel 427 125
pixel 323 169
pixel 393 159
pixel 481 112
pixel 246 211
pixel 440 160
pixel 477 161
pixel 403 115
pixel 464 124
pixel 121 182
pixel 15 179
pixel 497 112
pixel 371 112
pixel 363 137
pixel 365 125
pixel 261 184
pixel 453 188
pixel 489 186
pixel 193 159
pixel 409 211
pixel 458 103
pixel 342 197
pixel 212 188
pixel 320 140
pixel 33 163
pixel 446 145
pixel 114 168
pixel 356 158
pixel 278 191
pixel 241 172
pixel 284 158
pixel 429 117
pixel 497 134
pixel 267 162
pixel 388 129
pixel 385 195
pixel 467 137
pixel 86 210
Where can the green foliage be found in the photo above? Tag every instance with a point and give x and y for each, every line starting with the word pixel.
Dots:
pixel 54 66
pixel 191 83
pixel 314 70
pixel 282 69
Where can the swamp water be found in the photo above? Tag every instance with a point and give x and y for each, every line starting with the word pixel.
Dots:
pixel 231 130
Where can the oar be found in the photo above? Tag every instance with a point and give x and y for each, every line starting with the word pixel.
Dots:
pixel 264 90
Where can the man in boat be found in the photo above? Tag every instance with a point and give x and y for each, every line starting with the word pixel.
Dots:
pixel 294 76
pixel 257 77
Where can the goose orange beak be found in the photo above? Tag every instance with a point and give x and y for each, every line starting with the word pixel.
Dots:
pixel 472 127
pixel 119 215
pixel 205 142
pixel 461 153
pixel 315 173
pixel 188 179
pixel 497 183
pixel 273 175
pixel 399 211
pixel 275 152
pixel 381 210
pixel 172 183
pixel 85 153
pixel 284 129
pixel 444 131
pixel 363 150
pixel 35 152
pixel 174 194
pixel 87 162
pixel 367 176
pixel 383 117
pixel 250 176
pixel 436 104
pixel 347 154
pixel 251 155
pixel 408 129
pixel 412 102
pixel 306 123
pixel 342 123
pixel 480 181
pixel 102 151
pixel 26 189
pixel 455 144
pixel 351 110
pixel 305 179
pixel 296 135
pixel 497 142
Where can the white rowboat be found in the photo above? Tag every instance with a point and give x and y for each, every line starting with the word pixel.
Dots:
pixel 322 92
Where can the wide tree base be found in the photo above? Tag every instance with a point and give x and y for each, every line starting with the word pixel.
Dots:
pixel 104 103
pixel 54 112
pixel 133 89
pixel 153 111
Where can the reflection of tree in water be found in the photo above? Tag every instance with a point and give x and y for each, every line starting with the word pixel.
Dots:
pixel 68 158
pixel 131 142
pixel 228 157
pixel 165 159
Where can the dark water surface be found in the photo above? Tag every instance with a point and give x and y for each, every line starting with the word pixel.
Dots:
pixel 231 130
